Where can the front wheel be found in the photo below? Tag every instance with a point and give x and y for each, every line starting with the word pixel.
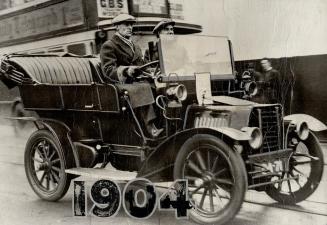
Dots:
pixel 304 173
pixel 216 176
pixel 45 165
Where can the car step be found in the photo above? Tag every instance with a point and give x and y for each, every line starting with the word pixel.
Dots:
pixel 102 173
pixel 266 175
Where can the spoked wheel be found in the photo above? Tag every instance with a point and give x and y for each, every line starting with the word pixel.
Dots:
pixel 45 166
pixel 305 172
pixel 216 176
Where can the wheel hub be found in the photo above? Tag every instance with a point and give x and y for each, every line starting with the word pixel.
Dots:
pixel 45 166
pixel 208 177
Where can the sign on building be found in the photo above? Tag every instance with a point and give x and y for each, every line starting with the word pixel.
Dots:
pixel 111 8
pixel 176 9
pixel 149 7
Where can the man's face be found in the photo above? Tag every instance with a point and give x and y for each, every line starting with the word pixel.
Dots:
pixel 125 29
pixel 265 65
pixel 169 29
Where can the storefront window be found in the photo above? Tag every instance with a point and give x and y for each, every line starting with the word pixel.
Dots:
pixel 8 4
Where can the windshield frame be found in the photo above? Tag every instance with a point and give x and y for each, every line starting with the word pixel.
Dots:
pixel 174 77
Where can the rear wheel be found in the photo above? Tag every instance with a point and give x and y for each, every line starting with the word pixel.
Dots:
pixel 45 165
pixel 216 176
pixel 305 173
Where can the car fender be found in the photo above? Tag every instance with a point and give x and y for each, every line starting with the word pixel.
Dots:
pixel 235 134
pixel 62 133
pixel 313 123
pixel 159 164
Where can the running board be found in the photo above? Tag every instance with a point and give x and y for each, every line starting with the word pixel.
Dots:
pixel 272 182
pixel 102 173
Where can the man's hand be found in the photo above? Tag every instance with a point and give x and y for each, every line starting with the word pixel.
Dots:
pixel 131 71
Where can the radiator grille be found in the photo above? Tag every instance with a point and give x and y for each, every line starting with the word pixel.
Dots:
pixel 270 124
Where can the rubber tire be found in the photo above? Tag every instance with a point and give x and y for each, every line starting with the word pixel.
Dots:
pixel 314 149
pixel 64 182
pixel 239 173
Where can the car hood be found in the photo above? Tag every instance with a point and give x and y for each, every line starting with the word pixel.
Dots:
pixel 227 100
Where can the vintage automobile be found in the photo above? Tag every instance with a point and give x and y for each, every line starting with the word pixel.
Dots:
pixel 222 143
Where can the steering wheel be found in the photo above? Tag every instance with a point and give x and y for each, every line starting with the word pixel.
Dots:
pixel 153 73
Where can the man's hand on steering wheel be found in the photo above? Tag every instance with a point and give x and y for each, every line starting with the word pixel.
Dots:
pixel 146 71
pixel 132 71
pixel 149 70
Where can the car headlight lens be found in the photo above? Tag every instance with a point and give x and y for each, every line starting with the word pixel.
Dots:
pixel 256 136
pixel 302 130
pixel 179 92
pixel 251 88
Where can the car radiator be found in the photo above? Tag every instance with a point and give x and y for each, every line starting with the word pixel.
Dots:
pixel 269 119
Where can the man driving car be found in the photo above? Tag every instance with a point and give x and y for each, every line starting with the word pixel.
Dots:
pixel 120 59
pixel 119 55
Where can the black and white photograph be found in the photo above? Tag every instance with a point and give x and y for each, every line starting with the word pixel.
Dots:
pixel 163 112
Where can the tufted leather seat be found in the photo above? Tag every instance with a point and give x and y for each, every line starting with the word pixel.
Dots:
pixel 58 70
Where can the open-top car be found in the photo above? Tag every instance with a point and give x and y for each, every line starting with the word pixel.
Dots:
pixel 220 142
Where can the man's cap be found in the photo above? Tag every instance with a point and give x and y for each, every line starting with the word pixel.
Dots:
pixel 162 24
pixel 121 18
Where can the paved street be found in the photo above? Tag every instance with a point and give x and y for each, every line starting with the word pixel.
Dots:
pixel 19 205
